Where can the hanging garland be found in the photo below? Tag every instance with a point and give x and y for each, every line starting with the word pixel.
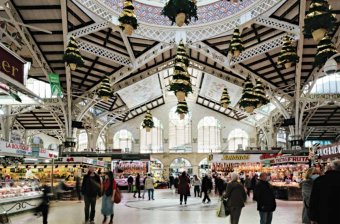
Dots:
pixel 288 56
pixel 148 121
pixel 236 46
pixel 248 100
pixel 72 55
pixel 127 19
pixel 182 109
pixel 325 50
pixel 104 90
pixel 180 11
pixel 181 83
pixel 225 99
pixel 319 19
pixel 260 93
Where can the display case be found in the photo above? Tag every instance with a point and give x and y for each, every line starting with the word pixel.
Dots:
pixel 19 195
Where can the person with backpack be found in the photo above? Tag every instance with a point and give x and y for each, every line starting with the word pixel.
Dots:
pixel 109 190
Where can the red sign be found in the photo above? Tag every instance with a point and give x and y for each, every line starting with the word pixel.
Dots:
pixel 290 159
pixel 11 65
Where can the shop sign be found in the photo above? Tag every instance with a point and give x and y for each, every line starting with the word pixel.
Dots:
pixel 15 149
pixel 290 159
pixel 49 154
pixel 329 151
pixel 11 65
pixel 236 158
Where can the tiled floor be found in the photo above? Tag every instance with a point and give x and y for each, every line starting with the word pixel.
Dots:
pixel 164 210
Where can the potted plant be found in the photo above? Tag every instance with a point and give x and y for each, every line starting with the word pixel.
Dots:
pixel 288 55
pixel 127 19
pixel 236 46
pixel 105 91
pixel 182 109
pixel 72 55
pixel 181 83
pixel 180 11
pixel 259 91
pixel 248 100
pixel 325 50
pixel 148 121
pixel 319 19
pixel 225 99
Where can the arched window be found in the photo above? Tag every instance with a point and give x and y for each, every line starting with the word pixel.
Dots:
pixel 179 165
pixel 152 141
pixel 281 138
pixel 237 139
pixel 82 140
pixel 209 135
pixel 123 140
pixel 329 84
pixel 100 143
pixel 179 132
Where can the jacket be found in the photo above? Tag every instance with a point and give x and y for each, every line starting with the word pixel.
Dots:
pixel 324 201
pixel 247 183
pixel 264 196
pixel 306 187
pixel 183 185
pixel 206 184
pixel 149 183
pixel 91 187
pixel 236 195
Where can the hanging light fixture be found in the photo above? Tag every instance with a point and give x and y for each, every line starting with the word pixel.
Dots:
pixel 127 19
pixel 225 99
pixel 104 91
pixel 259 91
pixel 288 55
pixel 236 46
pixel 148 121
pixel 182 109
pixel 248 100
pixel 72 55
pixel 325 50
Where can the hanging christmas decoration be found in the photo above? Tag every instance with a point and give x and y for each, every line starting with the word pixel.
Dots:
pixel 72 55
pixel 236 46
pixel 260 93
pixel 181 83
pixel 319 19
pixel 127 19
pixel 325 50
pixel 180 11
pixel 225 99
pixel 104 90
pixel 288 55
pixel 148 121
pixel 182 109
pixel 248 100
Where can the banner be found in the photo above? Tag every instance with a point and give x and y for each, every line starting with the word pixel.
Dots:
pixel 13 149
pixel 236 158
pixel 48 154
pixel 55 84
pixel 11 65
pixel 329 151
pixel 290 159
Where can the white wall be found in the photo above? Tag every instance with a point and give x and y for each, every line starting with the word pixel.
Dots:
pixel 47 139
pixel 198 112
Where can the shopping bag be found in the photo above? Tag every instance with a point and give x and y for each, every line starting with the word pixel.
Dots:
pixel 117 197
pixel 226 207
pixel 220 212
pixel 134 188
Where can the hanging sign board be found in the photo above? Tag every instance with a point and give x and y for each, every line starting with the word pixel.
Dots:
pixel 11 65
pixel 8 148
pixel 329 151
pixel 289 159
pixel 48 154
pixel 236 158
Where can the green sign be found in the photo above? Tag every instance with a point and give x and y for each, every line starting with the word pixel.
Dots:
pixel 55 84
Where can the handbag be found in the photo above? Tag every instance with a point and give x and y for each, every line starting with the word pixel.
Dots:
pixel 220 212
pixel 118 196
pixel 226 207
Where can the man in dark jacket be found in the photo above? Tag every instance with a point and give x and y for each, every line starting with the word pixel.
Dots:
pixel 90 188
pixel 324 202
pixel 236 197
pixel 130 183
pixel 265 198
pixel 137 181
pixel 206 187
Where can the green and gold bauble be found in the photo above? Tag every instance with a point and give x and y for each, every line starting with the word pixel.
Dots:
pixel 127 19
pixel 325 50
pixel 288 56
pixel 182 109
pixel 260 93
pixel 104 91
pixel 181 83
pixel 225 99
pixel 236 46
pixel 148 122
pixel 180 11
pixel 248 100
pixel 72 55
pixel 319 19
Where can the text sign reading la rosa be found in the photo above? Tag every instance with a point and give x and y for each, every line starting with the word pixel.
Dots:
pixel 236 158
pixel 15 149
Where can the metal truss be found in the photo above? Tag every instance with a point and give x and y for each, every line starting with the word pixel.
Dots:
pixel 98 8
pixel 278 24
pixel 104 53
pixel 89 29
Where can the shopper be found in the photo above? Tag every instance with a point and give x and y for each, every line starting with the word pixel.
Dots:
pixel 236 198
pixel 176 180
pixel 220 185
pixel 183 187
pixel 207 186
pixel 78 186
pixel 130 183
pixel 325 197
pixel 43 208
pixel 247 185
pixel 196 183
pixel 137 181
pixel 171 181
pixel 264 196
pixel 109 190
pixel 91 189
pixel 306 187
pixel 144 189
pixel 254 181
pixel 149 182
